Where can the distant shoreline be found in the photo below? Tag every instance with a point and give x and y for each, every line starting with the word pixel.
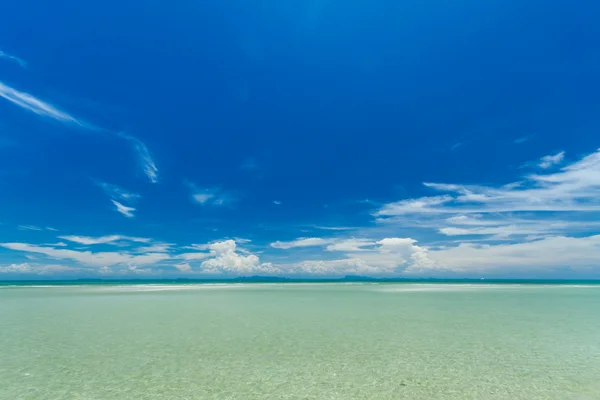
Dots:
pixel 260 279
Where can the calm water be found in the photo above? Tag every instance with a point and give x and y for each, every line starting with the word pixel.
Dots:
pixel 321 341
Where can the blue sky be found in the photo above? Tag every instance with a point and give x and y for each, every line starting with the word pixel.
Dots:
pixel 299 138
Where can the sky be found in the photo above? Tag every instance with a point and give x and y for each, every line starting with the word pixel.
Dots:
pixel 300 138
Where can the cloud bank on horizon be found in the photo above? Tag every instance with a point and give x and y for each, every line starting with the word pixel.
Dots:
pixel 268 151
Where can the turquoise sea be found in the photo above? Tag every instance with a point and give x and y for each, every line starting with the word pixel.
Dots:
pixel 300 341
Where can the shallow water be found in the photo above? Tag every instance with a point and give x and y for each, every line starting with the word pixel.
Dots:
pixel 321 341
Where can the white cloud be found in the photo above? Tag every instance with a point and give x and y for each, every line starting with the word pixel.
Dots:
pixel 37 106
pixel 183 267
pixel 523 139
pixel 550 253
pixel 386 257
pixel 36 269
pixel 123 209
pixel 277 202
pixel 420 205
pixel 12 58
pixel 154 248
pixel 35 228
pixel 30 228
pixel 209 196
pixel 551 160
pixel 193 256
pixel 89 240
pixel 350 245
pixel 145 158
pixel 88 258
pixel 117 192
pixel 301 242
pixel 225 260
pixel 529 207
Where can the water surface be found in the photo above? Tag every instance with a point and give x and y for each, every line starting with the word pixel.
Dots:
pixel 300 341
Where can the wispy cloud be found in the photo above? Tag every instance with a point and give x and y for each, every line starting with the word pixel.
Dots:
pixel 42 108
pixel 277 202
pixel 90 240
pixel 551 160
pixel 301 242
pixel 36 228
pixel 117 192
pixel 214 196
pixel 119 195
pixel 37 106
pixel 88 258
pixel 455 146
pixel 562 202
pixel 12 58
pixel 144 157
pixel 123 209
pixel 36 269
pixel 523 139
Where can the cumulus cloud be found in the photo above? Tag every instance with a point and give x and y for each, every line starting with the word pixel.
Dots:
pixel 225 260
pixel 385 257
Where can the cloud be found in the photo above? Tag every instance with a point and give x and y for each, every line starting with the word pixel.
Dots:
pixel 12 58
pixel 35 269
pixel 550 254
pixel 455 146
pixel 193 256
pixel 575 188
pixel 333 228
pixel 183 267
pixel 277 202
pixel 154 248
pixel 301 242
pixel 117 192
pixel 123 209
pixel 119 195
pixel 209 196
pixel 88 258
pixel 523 139
pixel 350 245
pixel 144 157
pixel 35 228
pixel 225 260
pixel 385 257
pixel 109 239
pixel 551 160
pixel 39 107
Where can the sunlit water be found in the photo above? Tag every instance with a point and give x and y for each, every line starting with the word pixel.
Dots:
pixel 326 341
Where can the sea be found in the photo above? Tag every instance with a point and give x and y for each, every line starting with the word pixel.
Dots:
pixel 306 340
